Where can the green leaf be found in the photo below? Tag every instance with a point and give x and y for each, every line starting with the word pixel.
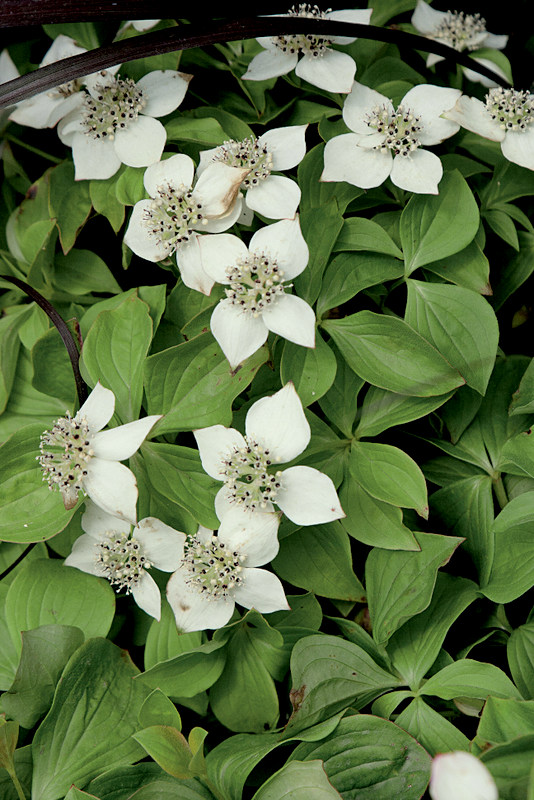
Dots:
pixel 130 188
pixel 298 780
pixel 460 324
pixel 9 655
pixel 340 402
pixel 359 233
pixel 189 673
pixel 193 385
pixel 503 226
pixel 371 759
pixel 90 725
pixel 159 710
pixel 233 126
pixel 513 529
pixel 105 202
pixel 316 194
pixel 84 33
pixel 432 730
pixel 312 370
pixel 69 203
pixel 164 641
pixel 520 451
pixel 45 651
pixel 469 268
pixel 414 648
pixel 114 353
pixel 23 767
pixel 386 352
pixel 523 398
pixel 81 272
pixel 435 227
pixel 148 782
pixel 520 652
pixel 168 747
pixel 46 592
pixel 389 474
pixel 382 410
pixel 504 720
pixel 518 270
pixel 469 678
pixel 372 521
pixel 511 766
pixel 318 558
pixel 320 228
pixel 347 274
pixel 9 351
pixel 400 584
pixel 206 131
pixel 22 489
pixel 52 368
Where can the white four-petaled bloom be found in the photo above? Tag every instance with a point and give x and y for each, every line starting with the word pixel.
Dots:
pixel 77 455
pixel 461 776
pixel 506 116
pixel 387 142
pixel 168 222
pixel 111 549
pixel 276 431
pixel 274 196
pixel 256 298
pixel 320 65
pixel 218 571
pixel 116 122
pixel 461 32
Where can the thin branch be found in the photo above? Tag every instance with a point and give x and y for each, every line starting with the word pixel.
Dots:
pixel 200 35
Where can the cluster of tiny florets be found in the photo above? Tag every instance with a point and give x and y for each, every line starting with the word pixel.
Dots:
pixel 121 560
pixel 113 108
pixel 457 30
pixel 401 129
pixel 511 108
pixel 247 153
pixel 66 450
pixel 249 481
pixel 307 44
pixel 172 216
pixel 255 283
pixel 212 568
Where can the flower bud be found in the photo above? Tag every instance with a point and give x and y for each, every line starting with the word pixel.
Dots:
pixel 461 776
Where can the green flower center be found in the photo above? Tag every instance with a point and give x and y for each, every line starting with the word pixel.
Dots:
pixel 400 129
pixel 248 478
pixel 255 283
pixel 173 215
pixel 249 154
pixel 66 450
pixel 211 568
pixel 511 108
pixel 121 559
pixel 458 28
pixel 115 107
pixel 307 44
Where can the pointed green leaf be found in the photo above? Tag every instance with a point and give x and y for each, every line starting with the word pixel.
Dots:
pixel 372 521
pixel 168 747
pixel 431 729
pixel 298 780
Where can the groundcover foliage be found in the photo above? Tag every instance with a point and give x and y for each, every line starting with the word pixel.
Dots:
pixel 263 373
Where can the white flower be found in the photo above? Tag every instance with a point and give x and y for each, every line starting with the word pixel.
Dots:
pixel 506 116
pixel 387 142
pixel 166 224
pixel 43 110
pixel 461 776
pixel 216 572
pixel 77 455
pixel 256 300
pixel 115 123
pixel 276 431
pixel 140 25
pixel 461 32
pixel 274 196
pixel 110 549
pixel 320 65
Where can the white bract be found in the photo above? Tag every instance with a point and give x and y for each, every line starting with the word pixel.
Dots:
pixel 274 196
pixel 320 65
pixel 168 221
pixel 115 124
pixel 77 455
pixel 111 549
pixel 461 32
pixel 276 431
pixel 461 776
pixel 218 571
pixel 387 142
pixel 257 300
pixel 506 116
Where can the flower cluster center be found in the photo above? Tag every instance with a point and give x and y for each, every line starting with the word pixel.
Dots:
pixel 213 569
pixel 66 89
pixel 399 128
pixel 307 44
pixel 172 216
pixel 248 479
pixel 115 106
pixel 121 560
pixel 255 283
pixel 248 153
pixel 511 108
pixel 66 450
pixel 458 29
